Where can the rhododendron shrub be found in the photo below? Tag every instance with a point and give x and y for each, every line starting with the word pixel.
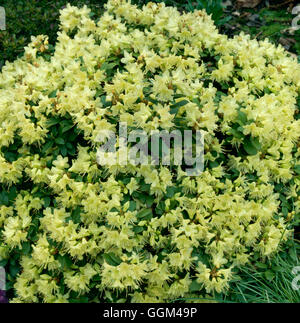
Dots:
pixel 74 230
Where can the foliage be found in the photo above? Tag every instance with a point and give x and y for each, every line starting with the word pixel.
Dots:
pixel 26 18
pixel 213 8
pixel 265 22
pixel 269 282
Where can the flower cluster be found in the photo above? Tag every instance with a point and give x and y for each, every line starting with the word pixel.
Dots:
pixel 72 229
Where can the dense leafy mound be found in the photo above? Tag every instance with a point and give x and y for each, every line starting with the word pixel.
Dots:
pixel 71 229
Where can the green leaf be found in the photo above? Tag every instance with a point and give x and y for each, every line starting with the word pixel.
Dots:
pixel 178 96
pixel 293 254
pixel 76 215
pixel 140 196
pixel 269 275
pixel 81 299
pixel 261 265
pixel 65 261
pixel 213 164
pixel 47 146
pixel 285 211
pixel 132 206
pixel 26 248
pixel 63 151
pixel 154 101
pixel 67 127
pixel 145 187
pixel 47 201
pixel 112 259
pixel 14 270
pixel 236 133
pixel 11 156
pixel 171 190
pixel 12 193
pixel 3 262
pixel 242 118
pixel 96 278
pixel 195 286
pixel 59 141
pixel 53 94
pixel 149 200
pixel 52 121
pixel 160 209
pixel 297 169
pixel 201 256
pixel 278 269
pixel 255 142
pixel 175 107
pixel 99 92
pixel 145 214
pixel 108 66
pixel 249 147
pixel 138 229
pixel 104 102
pixel 4 199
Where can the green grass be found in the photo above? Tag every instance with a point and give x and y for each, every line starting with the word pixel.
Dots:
pixel 272 284
pixel 262 282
